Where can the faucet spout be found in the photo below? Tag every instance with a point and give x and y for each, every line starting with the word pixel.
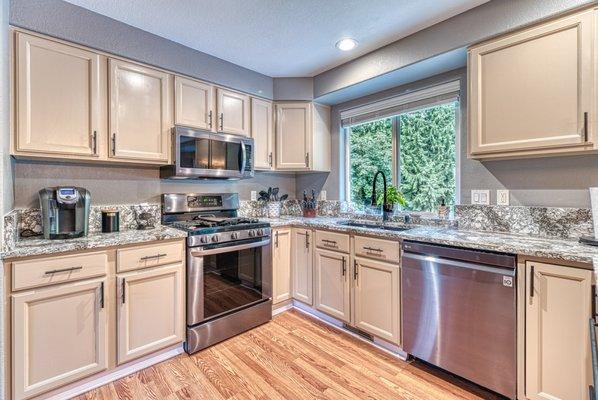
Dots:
pixel 375 198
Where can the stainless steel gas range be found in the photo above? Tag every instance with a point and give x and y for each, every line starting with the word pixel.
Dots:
pixel 229 271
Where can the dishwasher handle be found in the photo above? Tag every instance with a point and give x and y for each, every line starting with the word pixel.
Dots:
pixel 421 259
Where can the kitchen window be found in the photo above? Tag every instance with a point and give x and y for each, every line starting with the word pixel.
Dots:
pixel 414 144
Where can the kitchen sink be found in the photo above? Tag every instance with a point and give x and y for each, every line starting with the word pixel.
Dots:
pixel 370 225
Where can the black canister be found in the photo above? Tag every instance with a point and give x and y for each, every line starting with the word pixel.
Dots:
pixel 110 221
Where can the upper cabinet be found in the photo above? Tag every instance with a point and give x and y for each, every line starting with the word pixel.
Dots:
pixel 262 132
pixel 530 93
pixel 59 99
pixel 233 112
pixel 302 137
pixel 140 112
pixel 194 103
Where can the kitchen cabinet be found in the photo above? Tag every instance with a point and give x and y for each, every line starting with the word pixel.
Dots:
pixel 302 265
pixel 332 284
pixel 281 265
pixel 59 335
pixel 233 112
pixel 262 132
pixel 194 103
pixel 302 137
pixel 140 112
pixel 557 345
pixel 59 99
pixel 376 298
pixel 521 106
pixel 151 311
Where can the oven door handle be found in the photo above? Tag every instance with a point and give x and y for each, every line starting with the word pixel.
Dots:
pixel 219 250
pixel 243 158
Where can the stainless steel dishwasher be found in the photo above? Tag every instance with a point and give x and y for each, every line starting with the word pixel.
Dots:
pixel 459 312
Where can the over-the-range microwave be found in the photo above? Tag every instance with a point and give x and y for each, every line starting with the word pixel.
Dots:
pixel 200 154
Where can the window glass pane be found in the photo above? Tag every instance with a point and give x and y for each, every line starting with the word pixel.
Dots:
pixel 427 156
pixel 370 150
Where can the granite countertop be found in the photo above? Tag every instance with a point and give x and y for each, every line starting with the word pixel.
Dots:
pixel 39 246
pixel 554 248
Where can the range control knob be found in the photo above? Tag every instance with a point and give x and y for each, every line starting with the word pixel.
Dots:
pixel 260 232
pixel 204 239
pixel 251 233
pixel 215 238
pixel 234 235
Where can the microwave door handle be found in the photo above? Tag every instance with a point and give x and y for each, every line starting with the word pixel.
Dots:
pixel 226 249
pixel 243 158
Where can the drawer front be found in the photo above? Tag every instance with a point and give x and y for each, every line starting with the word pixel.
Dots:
pixel 332 241
pixel 150 255
pixel 378 249
pixel 52 270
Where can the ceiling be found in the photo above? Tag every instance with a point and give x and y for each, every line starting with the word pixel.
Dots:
pixel 281 38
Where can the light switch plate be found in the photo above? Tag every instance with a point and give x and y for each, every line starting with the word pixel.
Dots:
pixel 502 197
pixel 323 195
pixel 254 195
pixel 480 197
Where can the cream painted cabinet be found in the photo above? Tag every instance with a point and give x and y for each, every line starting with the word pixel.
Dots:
pixel 302 265
pixel 194 103
pixel 558 309
pixel 332 284
pixel 302 137
pixel 59 335
pixel 233 112
pixel 281 265
pixel 140 112
pixel 376 298
pixel 522 105
pixel 151 311
pixel 262 132
pixel 59 100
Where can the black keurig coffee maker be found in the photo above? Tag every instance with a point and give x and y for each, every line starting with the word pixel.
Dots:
pixel 65 212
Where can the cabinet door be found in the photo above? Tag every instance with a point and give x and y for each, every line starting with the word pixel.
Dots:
pixel 59 97
pixel 262 132
pixel 376 298
pixel 140 112
pixel 281 266
pixel 332 284
pixel 193 103
pixel 293 136
pixel 151 311
pixel 558 308
pixel 519 101
pixel 233 112
pixel 302 265
pixel 59 335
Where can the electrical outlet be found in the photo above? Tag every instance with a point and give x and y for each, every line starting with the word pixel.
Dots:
pixel 323 195
pixel 480 197
pixel 502 197
pixel 253 195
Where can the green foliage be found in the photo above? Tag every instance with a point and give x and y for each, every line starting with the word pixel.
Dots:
pixel 427 157
pixel 393 196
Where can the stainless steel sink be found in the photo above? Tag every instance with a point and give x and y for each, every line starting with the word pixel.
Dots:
pixel 370 225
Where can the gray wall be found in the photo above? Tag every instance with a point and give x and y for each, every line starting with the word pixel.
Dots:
pixel 76 24
pixel 294 89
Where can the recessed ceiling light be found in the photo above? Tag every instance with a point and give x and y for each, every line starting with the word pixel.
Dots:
pixel 346 44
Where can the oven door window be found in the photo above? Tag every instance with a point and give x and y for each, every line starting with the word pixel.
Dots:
pixel 226 155
pixel 194 152
pixel 232 280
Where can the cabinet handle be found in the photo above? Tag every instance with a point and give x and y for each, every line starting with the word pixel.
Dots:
pixel 114 144
pixel 102 295
pixel 270 159
pixel 151 257
pixel 276 239
pixel 94 142
pixel 585 126
pixel 344 266
pixel 221 121
pixel 594 315
pixel 55 271
pixel 355 272
pixel 307 240
pixel 122 289
pixel 210 119
pixel 531 282
pixel 307 160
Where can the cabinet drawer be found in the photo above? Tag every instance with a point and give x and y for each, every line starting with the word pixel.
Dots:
pixel 332 241
pixel 378 249
pixel 150 255
pixel 52 270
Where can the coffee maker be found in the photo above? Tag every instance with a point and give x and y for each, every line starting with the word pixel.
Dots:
pixel 65 212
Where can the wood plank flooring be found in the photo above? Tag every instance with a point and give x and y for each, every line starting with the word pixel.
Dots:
pixel 292 357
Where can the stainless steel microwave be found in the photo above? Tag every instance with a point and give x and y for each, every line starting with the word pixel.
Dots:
pixel 200 154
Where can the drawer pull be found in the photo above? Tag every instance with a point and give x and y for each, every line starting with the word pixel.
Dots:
pixel 56 271
pixel 331 243
pixel 152 257
pixel 373 249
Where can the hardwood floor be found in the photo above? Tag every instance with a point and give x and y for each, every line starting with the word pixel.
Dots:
pixel 292 357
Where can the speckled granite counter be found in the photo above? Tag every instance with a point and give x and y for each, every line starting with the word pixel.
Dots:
pixel 554 248
pixel 37 246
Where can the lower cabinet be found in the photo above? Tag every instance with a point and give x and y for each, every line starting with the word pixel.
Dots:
pixel 302 261
pixel 332 294
pixel 376 298
pixel 281 265
pixel 557 345
pixel 59 335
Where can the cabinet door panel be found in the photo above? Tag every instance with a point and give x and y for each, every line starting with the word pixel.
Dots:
pixel 262 132
pixel 332 284
pixel 59 336
pixel 58 98
pixel 281 265
pixel 150 312
pixel 140 116
pixel 557 338
pixel 293 136
pixel 233 112
pixel 193 103
pixel 302 265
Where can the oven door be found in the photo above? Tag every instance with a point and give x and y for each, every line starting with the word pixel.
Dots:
pixel 224 278
pixel 201 154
